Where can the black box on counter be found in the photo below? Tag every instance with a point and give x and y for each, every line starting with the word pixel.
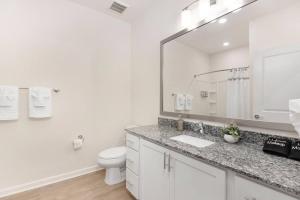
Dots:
pixel 276 146
pixel 295 151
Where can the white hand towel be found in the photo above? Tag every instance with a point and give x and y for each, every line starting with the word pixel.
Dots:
pixel 294 106
pixel 40 102
pixel 188 102
pixel 180 102
pixel 9 103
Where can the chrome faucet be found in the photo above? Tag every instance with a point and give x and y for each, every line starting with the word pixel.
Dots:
pixel 201 128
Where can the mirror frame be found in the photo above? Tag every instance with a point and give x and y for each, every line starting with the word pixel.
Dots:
pixel 246 123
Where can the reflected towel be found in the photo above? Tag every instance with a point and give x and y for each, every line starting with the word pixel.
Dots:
pixel 180 102
pixel 188 102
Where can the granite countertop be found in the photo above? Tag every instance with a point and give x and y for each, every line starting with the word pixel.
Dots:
pixel 244 158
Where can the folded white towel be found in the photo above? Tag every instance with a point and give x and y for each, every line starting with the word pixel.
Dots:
pixel 9 103
pixel 40 102
pixel 294 106
pixel 180 102
pixel 188 102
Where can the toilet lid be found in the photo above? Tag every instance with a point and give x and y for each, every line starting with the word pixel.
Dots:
pixel 112 153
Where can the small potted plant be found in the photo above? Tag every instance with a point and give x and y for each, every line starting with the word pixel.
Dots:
pixel 231 133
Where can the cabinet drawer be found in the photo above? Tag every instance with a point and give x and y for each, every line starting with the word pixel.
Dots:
pixel 132 183
pixel 132 161
pixel 133 142
pixel 248 190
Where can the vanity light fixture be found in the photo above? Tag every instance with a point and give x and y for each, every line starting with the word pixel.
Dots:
pixel 186 18
pixel 204 8
pixel 207 10
pixel 222 21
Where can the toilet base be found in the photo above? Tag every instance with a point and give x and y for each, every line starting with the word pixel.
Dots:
pixel 114 176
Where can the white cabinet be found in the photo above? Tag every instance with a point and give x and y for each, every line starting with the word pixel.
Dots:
pixel 132 164
pixel 132 183
pixel 248 190
pixel 166 175
pixel 194 180
pixel 133 142
pixel 132 160
pixel 156 173
pixel 154 177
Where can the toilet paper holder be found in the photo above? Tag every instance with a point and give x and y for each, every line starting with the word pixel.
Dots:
pixel 78 142
pixel 81 137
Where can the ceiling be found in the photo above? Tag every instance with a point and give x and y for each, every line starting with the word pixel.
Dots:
pixel 136 7
pixel 210 38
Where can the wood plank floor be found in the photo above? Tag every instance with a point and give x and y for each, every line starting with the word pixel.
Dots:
pixel 88 187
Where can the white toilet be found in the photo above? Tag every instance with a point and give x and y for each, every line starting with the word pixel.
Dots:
pixel 113 160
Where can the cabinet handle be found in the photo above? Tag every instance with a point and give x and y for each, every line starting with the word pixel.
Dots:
pixel 169 162
pixel 164 160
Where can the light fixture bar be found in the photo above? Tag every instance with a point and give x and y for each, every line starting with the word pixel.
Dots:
pixel 211 2
pixel 188 6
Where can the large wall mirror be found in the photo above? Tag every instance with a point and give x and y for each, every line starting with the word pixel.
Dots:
pixel 245 65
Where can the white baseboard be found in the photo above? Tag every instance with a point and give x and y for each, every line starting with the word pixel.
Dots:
pixel 47 181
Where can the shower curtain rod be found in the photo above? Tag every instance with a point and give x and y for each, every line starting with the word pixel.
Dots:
pixel 222 70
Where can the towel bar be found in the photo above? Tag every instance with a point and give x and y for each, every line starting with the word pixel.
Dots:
pixel 56 90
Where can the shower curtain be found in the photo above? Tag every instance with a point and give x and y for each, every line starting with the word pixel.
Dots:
pixel 238 94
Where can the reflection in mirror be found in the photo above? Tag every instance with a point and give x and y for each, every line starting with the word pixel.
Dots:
pixel 245 65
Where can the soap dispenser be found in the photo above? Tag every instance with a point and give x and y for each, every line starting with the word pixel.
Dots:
pixel 180 123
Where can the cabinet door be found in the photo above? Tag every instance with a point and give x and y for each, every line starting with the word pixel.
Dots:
pixel 194 180
pixel 248 190
pixel 154 176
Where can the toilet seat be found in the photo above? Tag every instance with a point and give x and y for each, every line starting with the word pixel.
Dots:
pixel 113 153
pixel 113 160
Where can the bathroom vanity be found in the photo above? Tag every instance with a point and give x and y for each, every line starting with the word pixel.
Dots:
pixel 161 168
pixel 240 66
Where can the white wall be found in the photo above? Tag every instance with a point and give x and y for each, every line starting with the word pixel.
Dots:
pixel 87 55
pixel 160 21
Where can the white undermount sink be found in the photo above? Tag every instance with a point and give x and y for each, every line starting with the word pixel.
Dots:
pixel 197 142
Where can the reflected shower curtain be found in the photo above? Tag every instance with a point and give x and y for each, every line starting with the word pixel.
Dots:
pixel 238 94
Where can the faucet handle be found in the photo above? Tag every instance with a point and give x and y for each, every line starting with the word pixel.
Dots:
pixel 201 127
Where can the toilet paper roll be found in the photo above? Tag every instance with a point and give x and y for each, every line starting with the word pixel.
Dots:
pixel 77 144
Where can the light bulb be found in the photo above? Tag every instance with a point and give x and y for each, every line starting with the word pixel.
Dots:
pixel 186 18
pixel 203 9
